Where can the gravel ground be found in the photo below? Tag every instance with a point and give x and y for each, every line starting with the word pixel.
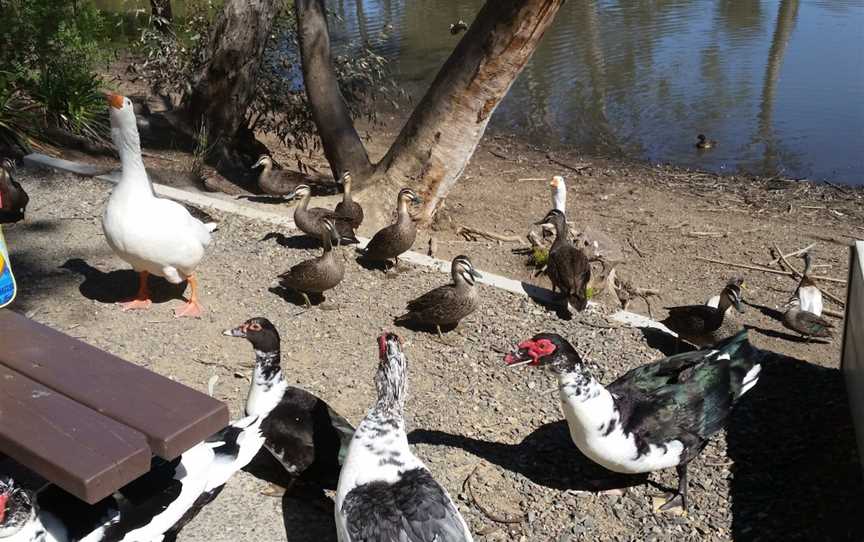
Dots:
pixel 786 469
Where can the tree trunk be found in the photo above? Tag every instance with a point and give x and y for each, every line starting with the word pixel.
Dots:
pixel 445 128
pixel 342 145
pixel 226 85
pixel 160 11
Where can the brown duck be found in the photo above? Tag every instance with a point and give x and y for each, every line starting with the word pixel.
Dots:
pixel 568 267
pixel 393 240
pixel 13 198
pixel 448 304
pixel 281 182
pixel 805 322
pixel 309 220
pixel 703 325
pixel 318 274
pixel 348 207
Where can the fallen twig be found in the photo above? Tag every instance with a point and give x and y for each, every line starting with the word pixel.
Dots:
pixel 466 486
pixel 498 154
pixel 765 269
pixel 471 234
pixel 577 168
pixel 798 252
pixel 633 245
pixel 531 179
pixel 707 234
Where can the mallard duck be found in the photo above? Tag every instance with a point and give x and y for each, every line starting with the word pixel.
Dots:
pixel 807 292
pixel 159 503
pixel 568 267
pixel 656 416
pixel 393 240
pixel 301 431
pixel 13 198
pixel 348 207
pixel 805 322
pixel 309 220
pixel 447 304
pixel 703 325
pixel 318 274
pixel 276 183
pixel 385 492
pixel 703 143
pixel 458 27
pixel 715 300
pixel 154 235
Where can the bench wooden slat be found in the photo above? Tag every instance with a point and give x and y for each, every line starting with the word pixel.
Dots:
pixel 87 454
pixel 172 416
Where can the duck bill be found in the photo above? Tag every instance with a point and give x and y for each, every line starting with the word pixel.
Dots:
pixel 474 273
pixel 518 357
pixel 541 222
pixel 258 163
pixel 389 346
pixel 239 331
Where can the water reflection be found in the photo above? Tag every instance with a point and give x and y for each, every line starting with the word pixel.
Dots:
pixel 781 87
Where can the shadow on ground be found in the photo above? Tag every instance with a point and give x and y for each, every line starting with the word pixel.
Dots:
pixel 119 285
pixel 547 457
pixel 796 474
pixel 297 242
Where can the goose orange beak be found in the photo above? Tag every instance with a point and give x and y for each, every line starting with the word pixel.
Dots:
pixel 115 100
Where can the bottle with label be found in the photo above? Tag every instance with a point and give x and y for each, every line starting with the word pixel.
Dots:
pixel 8 287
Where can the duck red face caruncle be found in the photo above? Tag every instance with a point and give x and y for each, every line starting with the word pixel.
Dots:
pixel 530 352
pixel 3 499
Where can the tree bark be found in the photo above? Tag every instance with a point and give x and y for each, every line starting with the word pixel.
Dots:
pixel 225 87
pixel 445 128
pixel 160 10
pixel 342 145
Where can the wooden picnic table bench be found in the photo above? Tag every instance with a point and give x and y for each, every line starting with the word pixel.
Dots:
pixel 87 420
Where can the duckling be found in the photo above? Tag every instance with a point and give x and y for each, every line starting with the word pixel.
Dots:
pixel 13 198
pixel 281 182
pixel 447 304
pixel 807 292
pixel 309 220
pixel 318 274
pixel 348 207
pixel 568 267
pixel 458 27
pixel 704 326
pixel 703 143
pixel 805 322
pixel 393 240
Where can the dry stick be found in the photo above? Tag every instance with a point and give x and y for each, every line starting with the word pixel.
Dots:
pixel 707 234
pixel 486 512
pixel 797 274
pixel 633 244
pixel 577 168
pixel 531 179
pixel 798 252
pixel 765 269
pixel 498 154
pixel 469 233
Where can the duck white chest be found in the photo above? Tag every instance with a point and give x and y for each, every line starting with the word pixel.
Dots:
pixel 595 427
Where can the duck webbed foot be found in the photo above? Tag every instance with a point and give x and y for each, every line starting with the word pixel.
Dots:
pixel 142 298
pixel 192 308
pixel 679 499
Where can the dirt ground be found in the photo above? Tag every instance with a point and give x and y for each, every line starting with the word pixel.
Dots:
pixel 786 468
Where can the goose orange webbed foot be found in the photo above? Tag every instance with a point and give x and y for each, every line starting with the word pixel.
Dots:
pixel 135 304
pixel 190 309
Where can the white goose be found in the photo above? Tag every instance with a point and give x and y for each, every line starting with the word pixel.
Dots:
pixel 154 235
pixel 559 193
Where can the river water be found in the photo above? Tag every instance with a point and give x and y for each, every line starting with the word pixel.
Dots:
pixel 778 85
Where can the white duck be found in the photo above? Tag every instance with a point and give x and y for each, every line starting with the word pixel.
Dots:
pixel 559 193
pixel 154 235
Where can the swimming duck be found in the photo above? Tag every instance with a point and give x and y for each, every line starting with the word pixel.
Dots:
pixel 703 143
pixel 318 274
pixel 276 183
pixel 807 292
pixel 656 416
pixel 458 26
pixel 309 220
pixel 703 325
pixel 447 304
pixel 300 430
pixel 805 322
pixel 385 492
pixel 158 504
pixel 393 240
pixel 715 300
pixel 154 235
pixel 568 267
pixel 13 198
pixel 348 207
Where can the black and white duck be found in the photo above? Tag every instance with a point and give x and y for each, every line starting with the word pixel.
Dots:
pixel 300 430
pixel 447 304
pixel 318 274
pixel 156 506
pixel 807 292
pixel 348 207
pixel 703 325
pixel 13 198
pixel 568 267
pixel 280 182
pixel 309 220
pixel 385 492
pixel 393 240
pixel 805 322
pixel 656 416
